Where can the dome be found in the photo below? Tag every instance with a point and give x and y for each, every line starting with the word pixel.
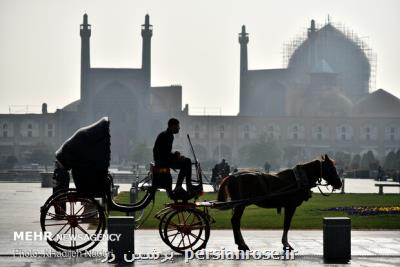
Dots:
pixel 321 67
pixel 378 103
pixel 73 106
pixel 326 104
pixel 333 52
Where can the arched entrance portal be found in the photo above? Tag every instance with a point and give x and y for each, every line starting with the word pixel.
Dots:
pixel 118 103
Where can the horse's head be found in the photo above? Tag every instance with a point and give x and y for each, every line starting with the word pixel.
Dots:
pixel 329 173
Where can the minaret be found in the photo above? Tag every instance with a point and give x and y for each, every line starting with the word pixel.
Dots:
pixel 312 61
pixel 85 31
pixel 147 32
pixel 312 29
pixel 243 40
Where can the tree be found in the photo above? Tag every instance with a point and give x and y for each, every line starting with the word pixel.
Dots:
pixel 42 154
pixel 141 154
pixel 261 151
pixel 397 160
pixel 389 160
pixel 208 164
pixel 342 159
pixel 355 163
pixel 392 161
pixel 292 154
pixel 368 160
pixel 9 162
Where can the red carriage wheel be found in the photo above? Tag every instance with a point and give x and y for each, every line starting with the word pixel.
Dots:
pixel 186 229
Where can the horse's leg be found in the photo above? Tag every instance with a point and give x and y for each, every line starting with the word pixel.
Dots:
pixel 235 220
pixel 289 211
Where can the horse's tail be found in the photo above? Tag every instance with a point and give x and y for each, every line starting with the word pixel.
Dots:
pixel 223 192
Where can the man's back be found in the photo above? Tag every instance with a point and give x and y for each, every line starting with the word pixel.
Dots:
pixel 162 150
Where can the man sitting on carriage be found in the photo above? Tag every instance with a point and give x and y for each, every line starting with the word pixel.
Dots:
pixel 164 158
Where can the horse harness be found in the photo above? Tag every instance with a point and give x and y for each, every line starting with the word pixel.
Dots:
pixel 303 182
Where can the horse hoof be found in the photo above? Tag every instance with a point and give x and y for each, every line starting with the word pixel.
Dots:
pixel 243 248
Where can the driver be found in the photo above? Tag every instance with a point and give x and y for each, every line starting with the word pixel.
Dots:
pixel 163 157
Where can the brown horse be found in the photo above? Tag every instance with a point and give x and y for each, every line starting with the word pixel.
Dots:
pixel 287 189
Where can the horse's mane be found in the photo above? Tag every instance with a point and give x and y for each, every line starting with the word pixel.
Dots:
pixel 308 162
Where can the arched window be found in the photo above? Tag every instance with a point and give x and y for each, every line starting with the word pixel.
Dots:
pixel 5 132
pixel 295 132
pixel 222 132
pixel 392 133
pixel 29 132
pixel 319 133
pixel 50 130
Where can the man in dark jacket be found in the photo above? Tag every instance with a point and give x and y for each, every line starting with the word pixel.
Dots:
pixel 163 157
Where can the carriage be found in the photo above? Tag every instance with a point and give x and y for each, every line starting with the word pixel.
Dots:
pixel 74 219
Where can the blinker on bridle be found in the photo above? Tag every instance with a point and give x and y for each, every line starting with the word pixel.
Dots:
pixel 319 183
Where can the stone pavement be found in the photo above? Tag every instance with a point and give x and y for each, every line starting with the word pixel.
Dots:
pixel 20 203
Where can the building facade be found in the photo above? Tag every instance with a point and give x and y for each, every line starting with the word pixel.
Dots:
pixel 319 103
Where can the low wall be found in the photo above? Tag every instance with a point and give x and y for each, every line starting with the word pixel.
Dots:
pixel 25 176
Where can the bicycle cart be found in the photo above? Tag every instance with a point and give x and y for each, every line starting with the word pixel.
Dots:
pixel 74 219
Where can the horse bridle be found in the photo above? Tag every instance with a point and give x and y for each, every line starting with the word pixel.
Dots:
pixel 319 183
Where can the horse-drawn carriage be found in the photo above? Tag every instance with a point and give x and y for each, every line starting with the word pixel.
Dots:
pixel 75 218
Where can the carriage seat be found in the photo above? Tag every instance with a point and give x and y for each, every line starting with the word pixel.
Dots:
pixel 161 177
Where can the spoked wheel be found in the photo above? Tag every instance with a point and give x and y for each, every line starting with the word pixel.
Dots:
pixel 186 229
pixel 72 221
pixel 161 225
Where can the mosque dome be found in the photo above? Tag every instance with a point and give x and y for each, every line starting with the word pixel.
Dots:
pixel 342 53
pixel 379 103
pixel 329 103
pixel 73 106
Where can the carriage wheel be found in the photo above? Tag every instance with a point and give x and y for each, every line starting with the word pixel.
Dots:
pixel 162 223
pixel 73 222
pixel 186 229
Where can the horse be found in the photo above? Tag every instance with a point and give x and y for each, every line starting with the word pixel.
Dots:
pixel 287 189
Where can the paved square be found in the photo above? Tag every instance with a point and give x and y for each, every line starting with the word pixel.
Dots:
pixel 20 209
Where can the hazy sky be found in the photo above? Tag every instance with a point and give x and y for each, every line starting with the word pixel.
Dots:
pixel 195 43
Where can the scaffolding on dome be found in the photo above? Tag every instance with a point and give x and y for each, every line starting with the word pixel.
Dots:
pixel 290 47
